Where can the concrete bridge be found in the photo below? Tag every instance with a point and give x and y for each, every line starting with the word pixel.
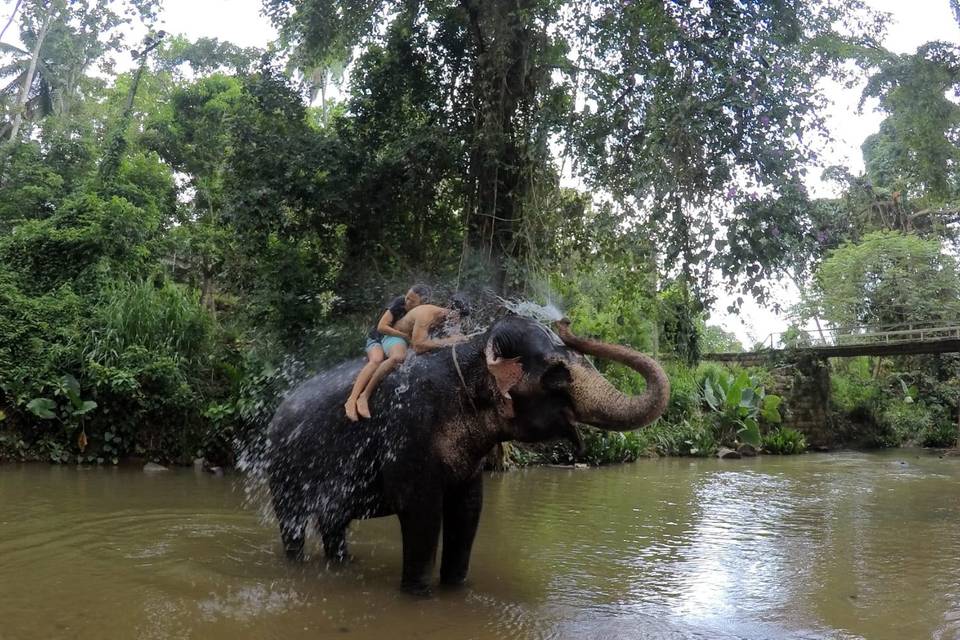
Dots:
pixel 849 342
pixel 802 376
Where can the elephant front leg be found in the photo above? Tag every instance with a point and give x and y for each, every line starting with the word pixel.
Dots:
pixel 420 529
pixel 461 514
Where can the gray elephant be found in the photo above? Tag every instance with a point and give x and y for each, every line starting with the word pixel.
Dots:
pixel 421 455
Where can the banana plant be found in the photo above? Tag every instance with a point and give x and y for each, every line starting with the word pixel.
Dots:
pixel 741 403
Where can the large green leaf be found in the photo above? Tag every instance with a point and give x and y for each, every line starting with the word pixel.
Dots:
pixel 734 396
pixel 71 387
pixel 86 406
pixel 750 432
pixel 43 408
pixel 770 411
pixel 709 395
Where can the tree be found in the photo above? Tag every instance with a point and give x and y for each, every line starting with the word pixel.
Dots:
pixel 915 150
pixel 682 105
pixel 889 278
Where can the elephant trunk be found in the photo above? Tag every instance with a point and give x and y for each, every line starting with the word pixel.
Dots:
pixel 598 402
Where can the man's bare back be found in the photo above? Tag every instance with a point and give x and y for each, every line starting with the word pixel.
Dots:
pixel 418 323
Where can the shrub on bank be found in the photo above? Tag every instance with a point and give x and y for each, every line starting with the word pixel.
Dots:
pixel 784 441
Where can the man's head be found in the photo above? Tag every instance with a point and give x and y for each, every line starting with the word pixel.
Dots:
pixel 417 295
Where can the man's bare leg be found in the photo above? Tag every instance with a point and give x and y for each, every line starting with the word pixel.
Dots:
pixel 374 359
pixel 397 354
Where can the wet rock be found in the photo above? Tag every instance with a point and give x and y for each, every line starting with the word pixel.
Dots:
pixel 728 454
pixel 217 471
pixel 747 450
pixel 581 465
pixel 152 467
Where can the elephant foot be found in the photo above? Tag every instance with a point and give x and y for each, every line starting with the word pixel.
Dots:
pixel 453 581
pixel 294 554
pixel 350 408
pixel 419 589
pixel 362 408
pixel 337 562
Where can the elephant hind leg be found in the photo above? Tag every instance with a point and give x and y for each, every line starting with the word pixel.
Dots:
pixel 335 544
pixel 293 523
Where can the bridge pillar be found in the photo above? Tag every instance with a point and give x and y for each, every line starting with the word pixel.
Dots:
pixel 804 385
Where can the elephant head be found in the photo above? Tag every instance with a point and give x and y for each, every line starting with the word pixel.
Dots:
pixel 543 384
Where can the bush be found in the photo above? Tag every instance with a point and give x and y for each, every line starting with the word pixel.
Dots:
pixel 684 395
pixel 853 387
pixel 687 438
pixel 918 423
pixel 905 422
pixel 784 441
pixel 940 435
pixel 611 447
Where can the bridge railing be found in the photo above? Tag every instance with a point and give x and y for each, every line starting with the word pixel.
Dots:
pixel 843 336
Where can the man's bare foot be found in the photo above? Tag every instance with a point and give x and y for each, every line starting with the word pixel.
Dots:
pixel 362 407
pixel 350 407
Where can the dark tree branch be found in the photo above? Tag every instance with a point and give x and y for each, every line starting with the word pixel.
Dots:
pixel 10 20
pixel 473 12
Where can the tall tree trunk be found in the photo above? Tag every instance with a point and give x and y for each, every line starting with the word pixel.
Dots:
pixel 28 81
pixel 502 83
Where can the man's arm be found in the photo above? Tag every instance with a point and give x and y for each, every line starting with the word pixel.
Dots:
pixel 422 342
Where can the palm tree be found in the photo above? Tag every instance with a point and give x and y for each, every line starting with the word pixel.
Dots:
pixel 30 84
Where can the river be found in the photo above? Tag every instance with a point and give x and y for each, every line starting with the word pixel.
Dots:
pixel 841 545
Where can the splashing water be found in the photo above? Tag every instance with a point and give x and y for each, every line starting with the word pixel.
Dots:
pixel 547 313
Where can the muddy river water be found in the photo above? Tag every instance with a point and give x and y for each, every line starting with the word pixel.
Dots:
pixel 840 545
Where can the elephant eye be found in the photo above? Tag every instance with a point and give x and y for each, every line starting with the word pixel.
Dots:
pixel 557 376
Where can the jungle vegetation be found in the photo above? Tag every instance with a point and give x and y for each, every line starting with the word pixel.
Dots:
pixel 184 238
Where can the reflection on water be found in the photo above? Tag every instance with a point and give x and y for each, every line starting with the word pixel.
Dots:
pixel 820 546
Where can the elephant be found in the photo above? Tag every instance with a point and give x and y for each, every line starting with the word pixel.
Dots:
pixel 434 421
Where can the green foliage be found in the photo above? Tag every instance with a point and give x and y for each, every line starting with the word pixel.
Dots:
pixel 688 438
pixel 612 447
pixel 784 441
pixel 666 135
pixel 685 398
pixel 917 422
pixel 161 318
pixel 853 388
pixel 237 239
pixel 889 278
pixel 739 404
pixel 679 330
pixel 715 340
pixel 663 438
pixel 32 189
pixel 915 151
pixel 88 237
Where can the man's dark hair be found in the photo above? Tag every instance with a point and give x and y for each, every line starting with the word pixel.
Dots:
pixel 459 302
pixel 423 291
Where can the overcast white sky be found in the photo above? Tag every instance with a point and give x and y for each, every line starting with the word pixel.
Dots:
pixel 914 22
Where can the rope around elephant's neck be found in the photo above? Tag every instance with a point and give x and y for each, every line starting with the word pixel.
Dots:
pixel 456 365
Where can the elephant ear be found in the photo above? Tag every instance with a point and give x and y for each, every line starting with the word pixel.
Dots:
pixel 507 373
